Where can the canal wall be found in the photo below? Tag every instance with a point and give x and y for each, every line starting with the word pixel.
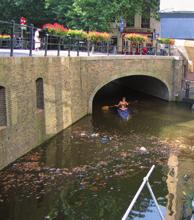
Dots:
pixel 167 70
pixel 64 102
pixel 40 96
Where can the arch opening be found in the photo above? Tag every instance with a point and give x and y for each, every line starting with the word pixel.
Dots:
pixel 133 86
pixel 3 108
pixel 39 94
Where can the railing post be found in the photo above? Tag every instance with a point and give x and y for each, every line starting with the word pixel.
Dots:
pixel 88 47
pixel 156 48
pixel 108 48
pixel 114 49
pixel 21 40
pixel 169 50
pixel 187 90
pixel 155 200
pixel 125 47
pixel 46 45
pixel 78 47
pixel 138 49
pixel 59 46
pixel 145 182
pixel 31 39
pixel 12 38
pixel 69 47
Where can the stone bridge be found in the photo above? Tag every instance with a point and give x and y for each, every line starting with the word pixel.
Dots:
pixel 40 96
pixel 158 76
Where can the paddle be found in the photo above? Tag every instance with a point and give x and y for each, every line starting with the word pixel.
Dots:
pixel 107 107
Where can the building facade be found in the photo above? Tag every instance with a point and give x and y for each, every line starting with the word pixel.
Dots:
pixel 140 25
pixel 177 19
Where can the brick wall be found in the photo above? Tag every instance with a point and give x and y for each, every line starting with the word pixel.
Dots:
pixel 27 125
pixel 69 86
pixel 3 115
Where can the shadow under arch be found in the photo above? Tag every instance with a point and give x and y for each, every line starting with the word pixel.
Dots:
pixel 150 85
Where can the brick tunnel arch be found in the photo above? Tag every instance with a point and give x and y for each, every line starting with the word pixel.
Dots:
pixel 155 87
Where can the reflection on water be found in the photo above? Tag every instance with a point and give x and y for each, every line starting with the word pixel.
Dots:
pixel 77 175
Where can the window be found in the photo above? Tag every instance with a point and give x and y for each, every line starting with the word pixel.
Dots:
pixel 3 113
pixel 39 93
pixel 130 22
pixel 145 18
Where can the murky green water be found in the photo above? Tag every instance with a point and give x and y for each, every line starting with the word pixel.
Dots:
pixel 79 175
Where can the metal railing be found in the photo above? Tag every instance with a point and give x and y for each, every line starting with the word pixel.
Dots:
pixel 22 37
pixel 188 89
pixel 145 182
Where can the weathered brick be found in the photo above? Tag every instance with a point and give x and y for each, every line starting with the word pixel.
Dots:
pixel 70 85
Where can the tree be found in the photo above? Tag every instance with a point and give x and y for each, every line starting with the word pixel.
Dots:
pixel 58 10
pixel 97 15
pixel 81 14
pixel 128 8
pixel 33 10
pixel 91 14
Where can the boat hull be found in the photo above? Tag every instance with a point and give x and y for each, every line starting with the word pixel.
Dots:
pixel 124 114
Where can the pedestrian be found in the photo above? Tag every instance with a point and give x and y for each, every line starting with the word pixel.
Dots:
pixel 37 40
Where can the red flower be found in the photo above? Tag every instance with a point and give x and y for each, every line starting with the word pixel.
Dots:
pixel 56 28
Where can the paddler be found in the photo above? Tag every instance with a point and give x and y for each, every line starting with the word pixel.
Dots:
pixel 123 104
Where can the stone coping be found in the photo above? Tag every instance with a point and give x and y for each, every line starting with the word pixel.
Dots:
pixel 111 57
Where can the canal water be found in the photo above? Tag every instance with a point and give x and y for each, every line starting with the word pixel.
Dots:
pixel 92 170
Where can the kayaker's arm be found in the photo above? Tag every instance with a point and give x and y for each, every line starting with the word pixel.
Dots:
pixel 118 104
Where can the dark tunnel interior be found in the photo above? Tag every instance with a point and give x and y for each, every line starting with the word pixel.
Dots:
pixel 132 87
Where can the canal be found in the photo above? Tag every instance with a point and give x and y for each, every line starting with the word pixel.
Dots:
pixel 92 170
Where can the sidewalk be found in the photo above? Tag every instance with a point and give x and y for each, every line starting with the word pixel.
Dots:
pixel 24 53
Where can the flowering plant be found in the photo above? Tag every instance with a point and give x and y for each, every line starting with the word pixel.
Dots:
pixel 94 36
pixel 5 36
pixel 56 29
pixel 77 33
pixel 98 36
pixel 166 41
pixel 136 38
pixel 172 42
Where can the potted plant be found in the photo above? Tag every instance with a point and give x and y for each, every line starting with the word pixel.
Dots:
pixel 136 40
pixel 56 29
pixel 96 37
pixel 165 42
pixel 77 34
pixel 5 36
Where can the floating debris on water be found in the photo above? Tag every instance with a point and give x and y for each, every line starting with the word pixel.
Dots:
pixel 83 134
pixel 95 135
pixel 105 140
pixel 90 165
pixel 143 149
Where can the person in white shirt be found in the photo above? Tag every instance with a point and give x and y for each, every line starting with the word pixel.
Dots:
pixel 37 40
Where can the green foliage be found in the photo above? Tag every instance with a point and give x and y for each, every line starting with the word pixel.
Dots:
pixel 76 14
pixel 97 15
pixel 34 11
pixel 58 10
pixel 166 41
pixel 77 33
pixel 90 15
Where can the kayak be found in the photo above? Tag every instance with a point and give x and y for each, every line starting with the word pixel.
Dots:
pixel 124 114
